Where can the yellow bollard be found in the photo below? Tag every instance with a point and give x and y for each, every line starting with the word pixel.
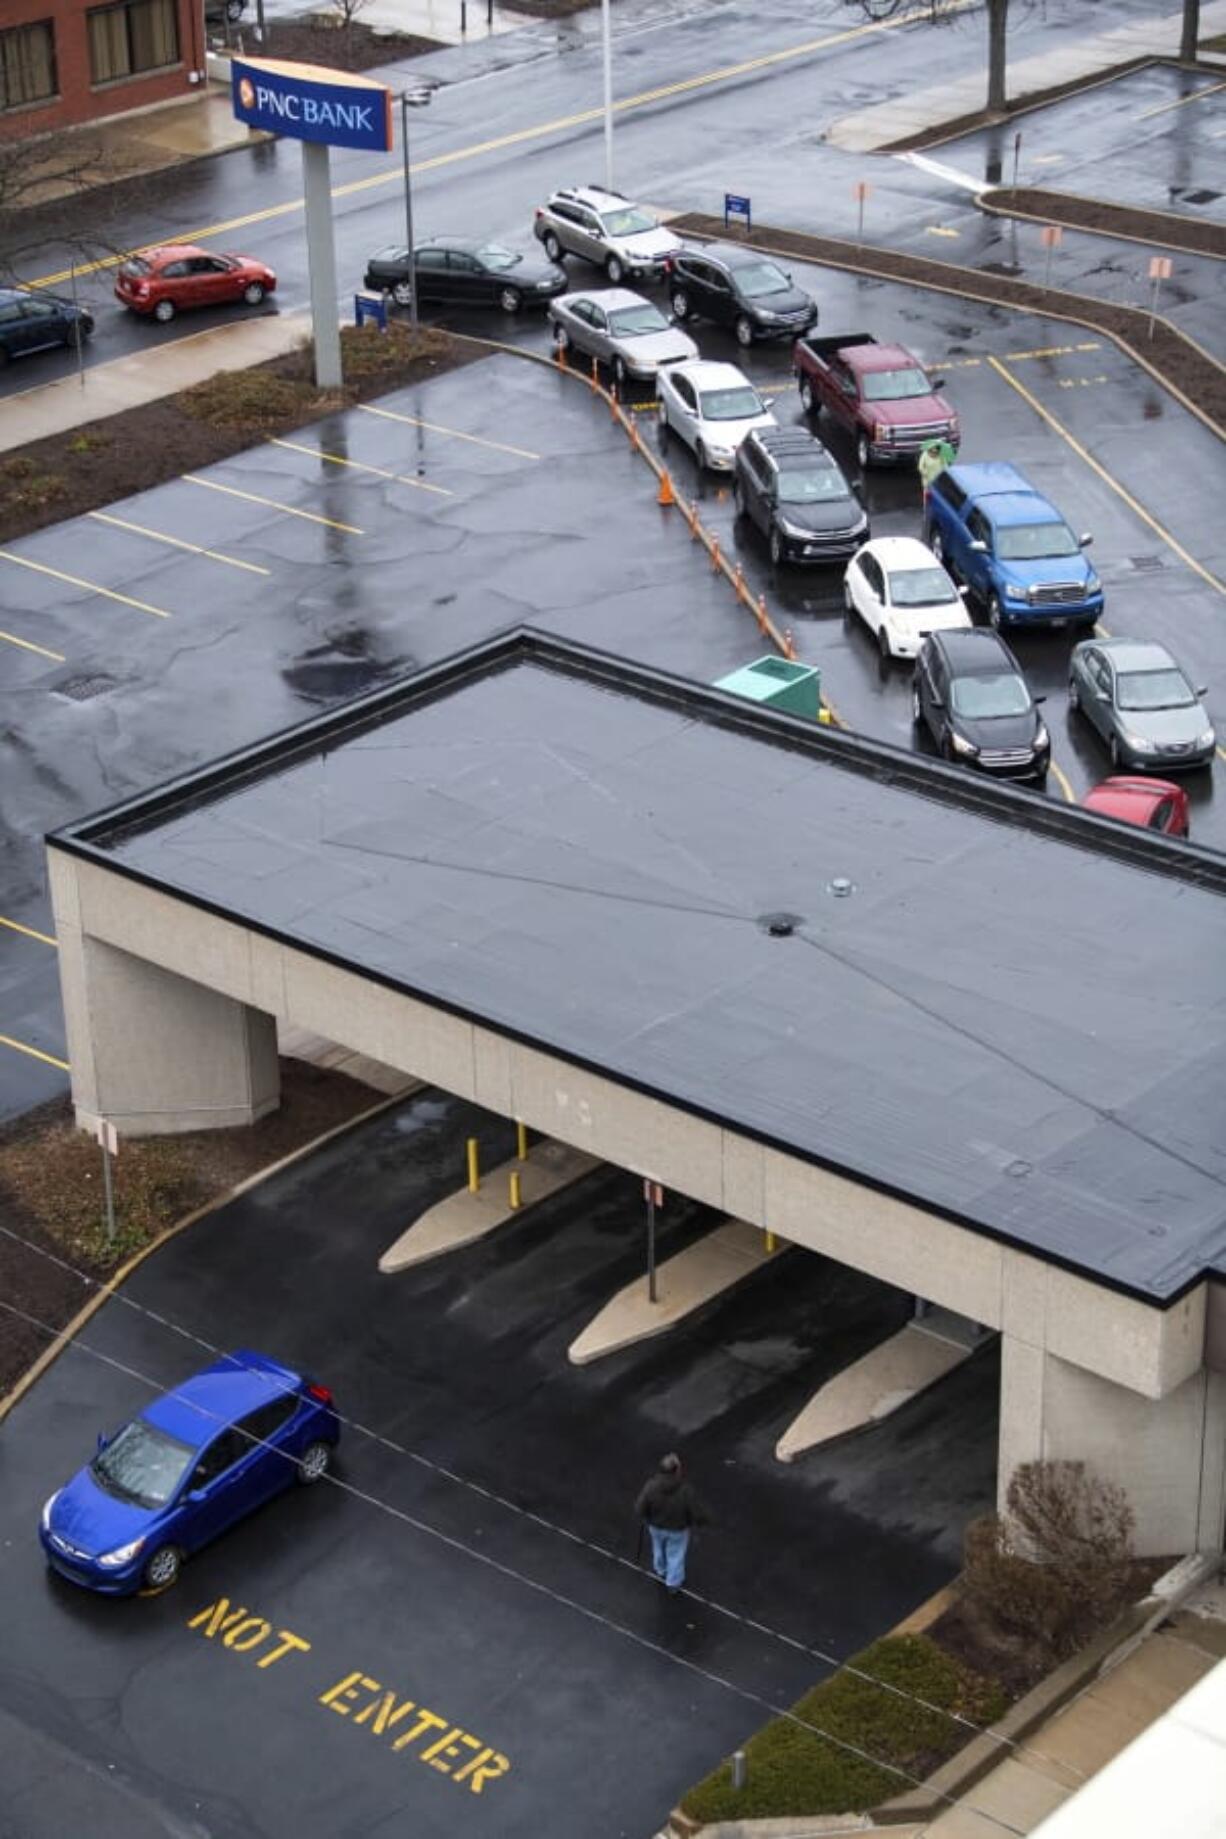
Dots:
pixel 474 1171
pixel 521 1141
pixel 770 1242
pixel 515 1201
pixel 823 716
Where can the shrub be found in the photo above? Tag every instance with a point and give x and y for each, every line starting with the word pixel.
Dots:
pixel 792 1771
pixel 246 399
pixel 1058 1564
pixel 366 352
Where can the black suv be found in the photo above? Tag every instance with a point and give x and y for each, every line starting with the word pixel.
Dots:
pixel 739 288
pixel 793 489
pixel 970 694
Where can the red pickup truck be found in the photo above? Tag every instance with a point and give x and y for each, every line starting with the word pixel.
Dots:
pixel 882 394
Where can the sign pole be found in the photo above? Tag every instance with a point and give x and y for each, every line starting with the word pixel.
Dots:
pixel 76 326
pixel 651 1242
pixel 607 43
pixel 108 1137
pixel 408 209
pixel 321 264
pixel 1159 271
pixel 1017 153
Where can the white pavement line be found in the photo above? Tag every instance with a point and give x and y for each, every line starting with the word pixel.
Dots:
pixel 941 171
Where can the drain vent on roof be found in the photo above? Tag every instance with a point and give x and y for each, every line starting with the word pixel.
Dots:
pixel 84 689
pixel 1146 564
pixel 780 925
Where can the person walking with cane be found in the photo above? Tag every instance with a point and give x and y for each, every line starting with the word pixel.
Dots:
pixel 669 1508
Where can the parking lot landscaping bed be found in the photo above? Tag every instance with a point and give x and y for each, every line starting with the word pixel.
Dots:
pixel 340 46
pixel 68 474
pixel 51 1194
pixel 1177 230
pixel 1174 359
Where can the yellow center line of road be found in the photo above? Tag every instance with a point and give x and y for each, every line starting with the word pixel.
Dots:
pixel 178 542
pixel 35 1053
pixel 455 434
pixel 273 504
pixel 10 638
pixel 394 175
pixel 1107 478
pixel 1061 779
pixel 362 466
pixel 44 938
pixel 1180 102
pixel 91 587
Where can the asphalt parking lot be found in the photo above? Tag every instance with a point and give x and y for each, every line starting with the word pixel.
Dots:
pixel 193 618
pixel 480 1562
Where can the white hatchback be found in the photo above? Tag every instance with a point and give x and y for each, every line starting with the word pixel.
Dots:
pixel 901 592
pixel 711 407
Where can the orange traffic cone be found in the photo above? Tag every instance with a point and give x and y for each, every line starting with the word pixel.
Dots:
pixel 666 495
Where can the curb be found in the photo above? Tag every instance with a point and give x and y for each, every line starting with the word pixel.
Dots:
pixel 106 1287
pixel 992 202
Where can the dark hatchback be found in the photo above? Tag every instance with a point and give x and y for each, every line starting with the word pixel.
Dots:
pixel 970 694
pixel 739 288
pixel 787 484
pixel 38 322
pixel 466 273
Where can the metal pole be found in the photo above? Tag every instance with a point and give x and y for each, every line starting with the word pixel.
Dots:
pixel 489 14
pixel 408 209
pixel 1017 150
pixel 109 1192
pixel 76 326
pixel 860 228
pixel 651 1246
pixel 260 29
pixel 1153 307
pixel 321 264
pixel 607 41
pixel 463 18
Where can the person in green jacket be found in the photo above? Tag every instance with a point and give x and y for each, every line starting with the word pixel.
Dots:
pixel 934 458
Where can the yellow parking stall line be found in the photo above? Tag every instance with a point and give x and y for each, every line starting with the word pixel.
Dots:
pixel 1051 351
pixel 10 638
pixel 272 504
pixel 362 466
pixel 35 1053
pixel 456 434
pixel 92 587
pixel 178 542
pixel 1180 102
pixel 1061 779
pixel 1107 478
pixel 44 938
pixel 939 229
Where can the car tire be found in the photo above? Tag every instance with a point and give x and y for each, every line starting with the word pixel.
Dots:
pixel 680 303
pixel 996 613
pixel 862 453
pixel 738 497
pixel 402 294
pixel 744 330
pixel 553 248
pixel 615 269
pixel 621 376
pixel 849 606
pixel 1074 695
pixel 164 311
pixel 162 1568
pixel 314 1463
pixel 510 299
pixel 917 713
pixel 776 549
pixel 808 401
pixel 700 456
pixel 883 644
pixel 662 423
pixel 253 293
pixel 561 338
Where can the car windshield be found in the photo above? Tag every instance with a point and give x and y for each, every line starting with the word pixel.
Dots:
pixel 631 222
pixel 730 405
pixel 493 255
pixel 1154 689
pixel 632 322
pixel 893 385
pixel 142 1464
pixel 761 278
pixel 135 265
pixel 978 697
pixel 1030 542
pixel 921 587
pixel 811 485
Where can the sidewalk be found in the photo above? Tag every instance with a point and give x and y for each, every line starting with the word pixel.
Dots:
pixel 132 146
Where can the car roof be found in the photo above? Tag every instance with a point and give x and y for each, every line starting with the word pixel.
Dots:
pixel 902 552
pixel 595 195
pixel 1113 793
pixel 610 298
pixel 779 441
pixel 705 374
pixel 879 357
pixel 204 1404
pixel 975 650
pixel 990 478
pixel 732 255
pixel 169 252
pixel 1135 654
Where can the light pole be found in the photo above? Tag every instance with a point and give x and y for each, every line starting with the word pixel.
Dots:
pixel 607 44
pixel 416 99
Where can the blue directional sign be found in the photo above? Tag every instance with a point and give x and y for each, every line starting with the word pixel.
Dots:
pixel 308 102
pixel 737 206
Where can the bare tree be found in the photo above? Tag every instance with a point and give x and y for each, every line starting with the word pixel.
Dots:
pixel 942 12
pixel 1190 36
pixel 43 183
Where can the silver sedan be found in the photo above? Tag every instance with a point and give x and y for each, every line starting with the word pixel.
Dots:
pixel 622 330
pixel 1142 705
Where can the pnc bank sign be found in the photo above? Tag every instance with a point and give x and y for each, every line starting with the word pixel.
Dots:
pixel 308 102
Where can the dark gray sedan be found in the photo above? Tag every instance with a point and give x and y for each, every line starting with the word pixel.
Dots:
pixel 1141 704
pixel 455 272
pixel 622 330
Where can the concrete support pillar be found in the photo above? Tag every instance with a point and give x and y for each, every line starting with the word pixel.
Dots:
pixel 1168 1454
pixel 155 1053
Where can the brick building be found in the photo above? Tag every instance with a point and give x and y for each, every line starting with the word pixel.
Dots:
pixel 63 62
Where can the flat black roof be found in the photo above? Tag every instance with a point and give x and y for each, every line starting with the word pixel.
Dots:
pixel 1015 1015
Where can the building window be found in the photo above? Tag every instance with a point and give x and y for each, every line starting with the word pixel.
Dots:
pixel 27 64
pixel 134 36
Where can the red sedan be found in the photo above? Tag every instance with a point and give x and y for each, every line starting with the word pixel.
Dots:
pixel 168 281
pixel 1155 804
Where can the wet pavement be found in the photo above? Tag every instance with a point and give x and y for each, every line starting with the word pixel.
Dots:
pixel 482 1562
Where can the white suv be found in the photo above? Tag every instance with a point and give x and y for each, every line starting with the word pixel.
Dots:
pixel 623 238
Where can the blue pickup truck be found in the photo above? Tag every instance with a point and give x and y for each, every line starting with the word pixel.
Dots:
pixel 1011 547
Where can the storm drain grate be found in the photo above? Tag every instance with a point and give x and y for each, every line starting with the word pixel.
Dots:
pixel 84 689
pixel 1145 565
pixel 1201 197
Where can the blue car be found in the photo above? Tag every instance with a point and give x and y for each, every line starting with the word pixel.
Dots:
pixel 32 322
pixel 191 1464
pixel 1011 547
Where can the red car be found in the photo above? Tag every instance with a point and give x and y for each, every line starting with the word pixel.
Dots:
pixel 167 281
pixel 1155 804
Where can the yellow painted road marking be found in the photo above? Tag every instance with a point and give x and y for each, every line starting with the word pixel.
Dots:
pixel 456 434
pixel 1197 95
pixel 1050 351
pixel 92 587
pixel 936 229
pixel 178 542
pixel 10 638
pixel 232 491
pixel 337 459
pixel 394 175
pixel 1107 478
pixel 35 1053
pixel 44 938
pixel 1061 780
